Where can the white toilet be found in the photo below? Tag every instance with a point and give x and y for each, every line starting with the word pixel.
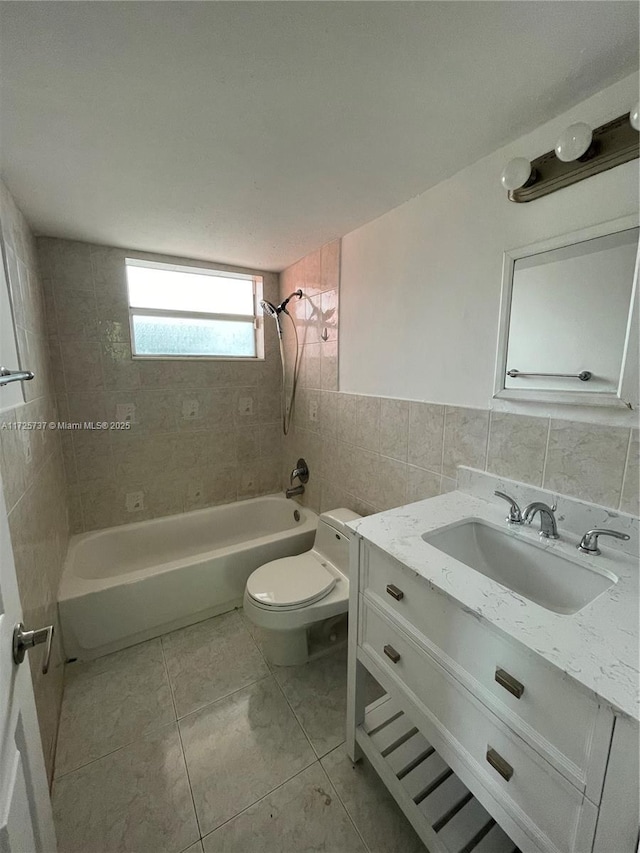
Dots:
pixel 287 597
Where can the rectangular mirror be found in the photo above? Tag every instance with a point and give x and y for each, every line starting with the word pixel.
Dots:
pixel 567 330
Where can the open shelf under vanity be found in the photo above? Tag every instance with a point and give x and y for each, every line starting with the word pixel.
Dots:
pixel 440 807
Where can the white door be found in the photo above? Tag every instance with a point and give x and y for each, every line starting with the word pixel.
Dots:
pixel 26 822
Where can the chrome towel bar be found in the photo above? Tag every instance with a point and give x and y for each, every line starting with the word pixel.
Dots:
pixel 7 375
pixel 584 375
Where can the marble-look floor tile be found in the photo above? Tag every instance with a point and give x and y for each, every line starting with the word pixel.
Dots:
pixel 239 749
pixel 110 702
pixel 210 660
pixel 317 692
pixel 136 800
pixel 371 807
pixel 304 816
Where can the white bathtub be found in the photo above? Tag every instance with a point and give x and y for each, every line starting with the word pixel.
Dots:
pixel 126 584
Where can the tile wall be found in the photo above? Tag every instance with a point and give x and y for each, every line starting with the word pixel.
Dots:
pixel 171 460
pixel 32 468
pixel 371 453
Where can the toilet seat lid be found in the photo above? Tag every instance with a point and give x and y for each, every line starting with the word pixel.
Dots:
pixel 290 582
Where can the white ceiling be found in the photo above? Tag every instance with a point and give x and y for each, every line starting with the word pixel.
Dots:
pixel 253 132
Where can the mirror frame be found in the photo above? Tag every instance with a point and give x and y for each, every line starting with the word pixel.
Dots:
pixel 626 394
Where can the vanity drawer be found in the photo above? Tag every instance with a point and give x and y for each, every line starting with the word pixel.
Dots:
pixel 543 706
pixel 546 806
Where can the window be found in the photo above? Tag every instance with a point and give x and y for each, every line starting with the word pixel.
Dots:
pixel 190 312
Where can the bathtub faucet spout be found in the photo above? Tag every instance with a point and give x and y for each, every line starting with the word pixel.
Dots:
pixel 296 490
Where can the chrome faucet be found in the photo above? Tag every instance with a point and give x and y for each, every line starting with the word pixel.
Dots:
pixel 548 526
pixel 300 472
pixel 515 515
pixel 295 491
pixel 589 542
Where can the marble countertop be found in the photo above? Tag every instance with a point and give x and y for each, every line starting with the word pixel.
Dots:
pixel 597 646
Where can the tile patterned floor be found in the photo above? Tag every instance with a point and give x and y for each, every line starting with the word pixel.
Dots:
pixel 191 744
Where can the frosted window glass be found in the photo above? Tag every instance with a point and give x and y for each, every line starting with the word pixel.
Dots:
pixel 192 336
pixel 175 290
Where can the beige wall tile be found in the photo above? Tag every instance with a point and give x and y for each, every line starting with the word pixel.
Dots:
pixel 108 269
pixel 517 447
pixel 71 266
pixel 394 428
pixel 368 422
pixel 629 501
pixel 330 261
pixel 332 497
pixel 13 460
pixel 447 485
pixel 422 484
pixel 82 366
pixel 391 483
pixel 76 317
pixel 119 370
pixel 465 439
pixel 329 365
pixel 328 413
pixel 271 441
pixel 426 427
pixel 218 448
pixel 92 453
pixel 586 461
pixel 346 418
pixel 310 366
pixel 90 338
pixel 247 443
pixel 84 406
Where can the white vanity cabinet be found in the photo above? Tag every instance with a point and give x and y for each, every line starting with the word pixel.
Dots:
pixel 485 745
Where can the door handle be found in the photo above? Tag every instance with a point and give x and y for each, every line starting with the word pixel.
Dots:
pixel 24 640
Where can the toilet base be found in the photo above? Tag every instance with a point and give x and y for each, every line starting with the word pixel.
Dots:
pixel 285 648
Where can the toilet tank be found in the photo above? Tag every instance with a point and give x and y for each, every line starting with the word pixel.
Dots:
pixel 333 537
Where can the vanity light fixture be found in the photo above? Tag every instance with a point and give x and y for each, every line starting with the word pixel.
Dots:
pixel 580 152
pixel 517 173
pixel 574 142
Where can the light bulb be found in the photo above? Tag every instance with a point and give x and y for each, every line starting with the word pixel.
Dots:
pixel 516 173
pixel 574 142
pixel 634 117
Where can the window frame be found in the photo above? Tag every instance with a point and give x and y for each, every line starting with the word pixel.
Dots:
pixel 255 318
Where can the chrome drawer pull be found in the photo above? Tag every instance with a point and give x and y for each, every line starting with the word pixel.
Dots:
pixel 392 654
pixel 394 592
pixel 498 763
pixel 509 683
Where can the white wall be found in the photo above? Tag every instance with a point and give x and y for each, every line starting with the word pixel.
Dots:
pixel 420 286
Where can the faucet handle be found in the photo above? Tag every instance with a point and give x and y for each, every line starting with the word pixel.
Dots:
pixel 515 514
pixel 301 472
pixel 589 542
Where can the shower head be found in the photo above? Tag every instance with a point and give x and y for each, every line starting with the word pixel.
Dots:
pixel 275 310
pixel 270 309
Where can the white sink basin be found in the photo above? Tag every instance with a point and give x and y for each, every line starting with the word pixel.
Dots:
pixel 529 569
